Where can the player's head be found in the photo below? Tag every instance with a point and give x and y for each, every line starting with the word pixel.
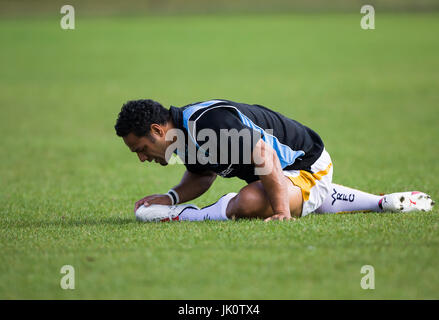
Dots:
pixel 142 124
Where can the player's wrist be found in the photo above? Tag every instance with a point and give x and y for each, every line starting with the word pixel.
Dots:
pixel 282 213
pixel 173 195
pixel 169 197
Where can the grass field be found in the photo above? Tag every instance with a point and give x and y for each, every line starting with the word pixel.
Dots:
pixel 68 183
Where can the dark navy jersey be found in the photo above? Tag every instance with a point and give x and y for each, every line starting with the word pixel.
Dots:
pixel 238 127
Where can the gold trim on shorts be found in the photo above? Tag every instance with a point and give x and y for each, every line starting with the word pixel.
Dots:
pixel 306 180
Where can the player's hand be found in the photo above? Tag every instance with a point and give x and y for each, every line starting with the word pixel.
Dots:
pixel 153 199
pixel 281 217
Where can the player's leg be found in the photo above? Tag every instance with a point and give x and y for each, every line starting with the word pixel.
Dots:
pixel 306 192
pixel 345 199
pixel 252 202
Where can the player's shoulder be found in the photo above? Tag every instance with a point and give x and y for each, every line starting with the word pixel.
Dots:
pixel 205 103
pixel 223 110
pixel 214 108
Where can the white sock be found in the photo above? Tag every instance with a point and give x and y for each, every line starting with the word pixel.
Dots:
pixel 216 211
pixel 344 199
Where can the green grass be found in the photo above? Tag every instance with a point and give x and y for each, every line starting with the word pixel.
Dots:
pixel 68 184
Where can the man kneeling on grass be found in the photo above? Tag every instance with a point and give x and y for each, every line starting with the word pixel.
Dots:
pixel 285 164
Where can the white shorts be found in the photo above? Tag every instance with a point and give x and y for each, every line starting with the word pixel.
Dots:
pixel 315 185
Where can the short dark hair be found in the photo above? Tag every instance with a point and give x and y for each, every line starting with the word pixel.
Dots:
pixel 136 116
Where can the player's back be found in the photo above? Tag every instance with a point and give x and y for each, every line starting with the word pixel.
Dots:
pixel 288 132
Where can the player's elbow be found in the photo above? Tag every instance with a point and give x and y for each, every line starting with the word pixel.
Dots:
pixel 263 158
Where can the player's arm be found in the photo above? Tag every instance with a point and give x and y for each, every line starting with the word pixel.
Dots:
pixel 270 172
pixel 191 186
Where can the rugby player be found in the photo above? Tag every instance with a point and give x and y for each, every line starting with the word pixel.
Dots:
pixel 285 164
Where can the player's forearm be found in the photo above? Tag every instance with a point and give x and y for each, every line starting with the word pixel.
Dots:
pixel 277 191
pixel 270 172
pixel 193 185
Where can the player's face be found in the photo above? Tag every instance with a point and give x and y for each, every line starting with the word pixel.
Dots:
pixel 151 148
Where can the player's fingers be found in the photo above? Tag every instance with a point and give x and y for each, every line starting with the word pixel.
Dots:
pixel 279 217
pixel 275 217
pixel 139 203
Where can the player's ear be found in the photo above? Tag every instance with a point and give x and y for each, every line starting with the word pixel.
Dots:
pixel 157 130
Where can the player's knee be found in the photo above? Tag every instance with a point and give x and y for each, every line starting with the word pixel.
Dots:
pixel 250 202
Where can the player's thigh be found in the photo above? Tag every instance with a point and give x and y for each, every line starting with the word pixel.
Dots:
pixel 294 196
pixel 296 199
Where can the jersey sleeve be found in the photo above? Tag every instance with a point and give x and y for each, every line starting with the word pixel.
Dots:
pixel 222 136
